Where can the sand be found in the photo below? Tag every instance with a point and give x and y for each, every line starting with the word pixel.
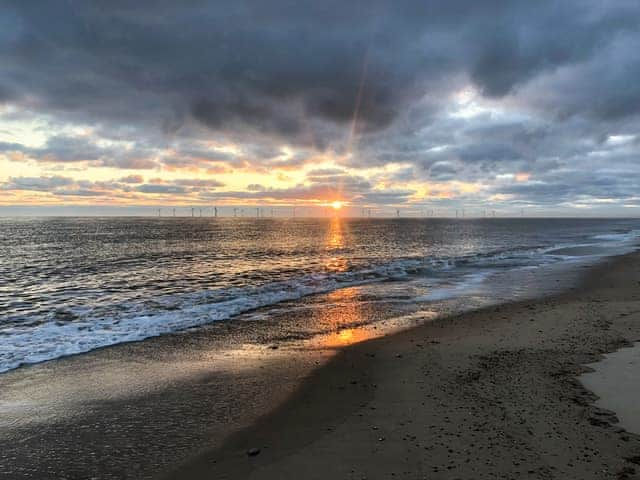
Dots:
pixel 489 394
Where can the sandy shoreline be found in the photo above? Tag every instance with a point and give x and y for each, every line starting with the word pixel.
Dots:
pixel 488 394
pixel 190 405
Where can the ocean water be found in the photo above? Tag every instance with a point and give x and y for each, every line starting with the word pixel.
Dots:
pixel 70 285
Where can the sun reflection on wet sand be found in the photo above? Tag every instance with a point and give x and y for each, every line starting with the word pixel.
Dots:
pixel 346 319
pixel 343 337
pixel 346 337
pixel 347 309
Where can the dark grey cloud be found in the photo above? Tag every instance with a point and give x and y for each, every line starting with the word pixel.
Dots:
pixel 133 184
pixel 41 184
pixel 199 182
pixel 600 88
pixel 132 179
pixel 74 149
pixel 171 79
pixel 232 64
pixel 161 188
pixel 324 172
pixel 558 187
pixel 388 197
pixel 443 171
pixel 81 193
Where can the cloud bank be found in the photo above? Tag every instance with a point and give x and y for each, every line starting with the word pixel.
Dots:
pixel 509 103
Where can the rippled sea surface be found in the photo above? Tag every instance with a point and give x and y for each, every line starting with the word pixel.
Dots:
pixel 69 285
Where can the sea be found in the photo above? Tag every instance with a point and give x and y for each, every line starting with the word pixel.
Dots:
pixel 71 285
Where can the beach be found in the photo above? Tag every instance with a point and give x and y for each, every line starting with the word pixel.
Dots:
pixel 362 382
pixel 487 394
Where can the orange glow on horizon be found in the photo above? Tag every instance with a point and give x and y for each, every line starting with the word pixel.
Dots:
pixel 337 205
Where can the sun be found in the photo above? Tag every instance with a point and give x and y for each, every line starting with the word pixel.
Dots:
pixel 337 205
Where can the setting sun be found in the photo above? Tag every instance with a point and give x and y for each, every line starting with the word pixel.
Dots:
pixel 337 205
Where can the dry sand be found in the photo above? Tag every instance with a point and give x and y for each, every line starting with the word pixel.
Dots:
pixel 489 394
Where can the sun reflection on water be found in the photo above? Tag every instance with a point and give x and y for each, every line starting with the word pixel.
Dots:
pixel 335 235
pixel 334 242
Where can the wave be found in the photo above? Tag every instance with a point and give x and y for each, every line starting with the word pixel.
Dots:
pixel 620 236
pixel 68 332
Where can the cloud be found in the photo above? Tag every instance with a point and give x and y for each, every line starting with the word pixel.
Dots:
pixel 132 179
pixel 163 189
pixel 75 149
pixel 39 184
pixel 126 187
pixel 272 74
pixel 199 182
pixel 436 91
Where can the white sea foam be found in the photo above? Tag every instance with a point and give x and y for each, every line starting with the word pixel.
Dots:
pixel 629 236
pixel 49 339
pixel 463 286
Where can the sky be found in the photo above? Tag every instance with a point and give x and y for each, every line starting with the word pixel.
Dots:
pixel 428 107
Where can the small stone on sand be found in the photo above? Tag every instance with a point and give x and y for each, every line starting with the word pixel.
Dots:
pixel 252 452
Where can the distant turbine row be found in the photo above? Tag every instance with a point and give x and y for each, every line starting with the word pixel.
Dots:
pixel 296 211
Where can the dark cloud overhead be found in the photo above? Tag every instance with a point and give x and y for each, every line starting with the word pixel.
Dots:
pixel 268 65
pixel 462 90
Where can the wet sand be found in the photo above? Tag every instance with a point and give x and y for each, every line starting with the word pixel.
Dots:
pixel 488 394
pixel 616 380
pixel 190 405
pixel 136 410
